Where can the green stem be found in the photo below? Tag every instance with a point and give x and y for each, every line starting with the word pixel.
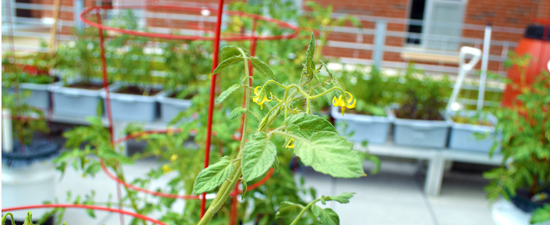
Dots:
pixel 227 186
pixel 303 211
pixel 120 175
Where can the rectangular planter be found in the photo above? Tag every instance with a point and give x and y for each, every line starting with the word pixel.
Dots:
pixel 76 101
pixel 374 129
pixel 463 135
pixel 171 107
pixel 128 107
pixel 40 95
pixel 421 133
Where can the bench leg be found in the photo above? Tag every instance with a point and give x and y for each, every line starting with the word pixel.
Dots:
pixel 434 176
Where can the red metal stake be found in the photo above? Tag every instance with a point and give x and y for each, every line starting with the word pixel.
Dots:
pixel 211 102
pixel 108 101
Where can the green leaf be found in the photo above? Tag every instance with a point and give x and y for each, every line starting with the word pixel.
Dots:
pixel 342 198
pixel 307 71
pixel 258 156
pixel 541 214
pixel 276 164
pixel 231 51
pixel 226 93
pixel 262 67
pixel 308 124
pixel 110 154
pixel 327 215
pixel 237 112
pixel 226 63
pixel 329 153
pixel 213 176
pixel 245 188
pixel 288 209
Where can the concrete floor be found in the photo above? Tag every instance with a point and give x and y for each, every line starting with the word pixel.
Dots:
pixel 393 196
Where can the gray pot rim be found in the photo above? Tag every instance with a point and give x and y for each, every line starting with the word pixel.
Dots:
pixel 473 127
pixel 362 118
pixel 128 97
pixel 164 99
pixel 425 123
pixel 62 89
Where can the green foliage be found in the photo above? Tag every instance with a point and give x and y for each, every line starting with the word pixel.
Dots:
pixel 541 215
pixel 326 215
pixel 525 145
pixel 422 97
pixel 373 91
pixel 213 176
pixel 329 153
pixel 315 140
pixel 258 156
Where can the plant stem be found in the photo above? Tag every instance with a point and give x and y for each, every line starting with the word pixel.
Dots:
pixel 303 211
pixel 120 176
pixel 227 186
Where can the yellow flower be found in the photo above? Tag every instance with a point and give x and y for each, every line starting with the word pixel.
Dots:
pixel 257 98
pixel 166 168
pixel 340 102
pixel 288 145
pixel 173 157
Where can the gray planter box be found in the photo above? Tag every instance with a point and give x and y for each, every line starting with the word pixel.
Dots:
pixel 463 135
pixel 171 107
pixel 76 101
pixel 374 129
pixel 135 108
pixel 421 133
pixel 40 95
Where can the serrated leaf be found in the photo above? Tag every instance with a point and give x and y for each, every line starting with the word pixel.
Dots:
pixel 227 63
pixel 342 198
pixel 213 176
pixel 230 51
pixel 304 125
pixel 288 209
pixel 327 215
pixel 541 214
pixel 237 112
pixel 329 153
pixel 276 164
pixel 258 156
pixel 307 71
pixel 226 93
pixel 262 67
pixel 245 187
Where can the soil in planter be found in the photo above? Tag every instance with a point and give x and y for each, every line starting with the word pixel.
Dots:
pixel 468 120
pixel 187 96
pixel 86 85
pixel 134 90
pixel 415 109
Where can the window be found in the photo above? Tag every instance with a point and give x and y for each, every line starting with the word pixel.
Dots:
pixel 436 24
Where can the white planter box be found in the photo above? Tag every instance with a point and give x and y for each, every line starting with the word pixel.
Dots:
pixel 463 135
pixel 76 101
pixel 374 129
pixel 422 133
pixel 129 107
pixel 171 107
pixel 506 213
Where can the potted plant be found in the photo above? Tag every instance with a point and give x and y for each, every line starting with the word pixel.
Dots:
pixel 28 175
pixel 135 93
pixel 184 64
pixel 523 179
pixel 32 73
pixel 418 120
pixel 370 120
pixel 472 131
pixel 79 93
